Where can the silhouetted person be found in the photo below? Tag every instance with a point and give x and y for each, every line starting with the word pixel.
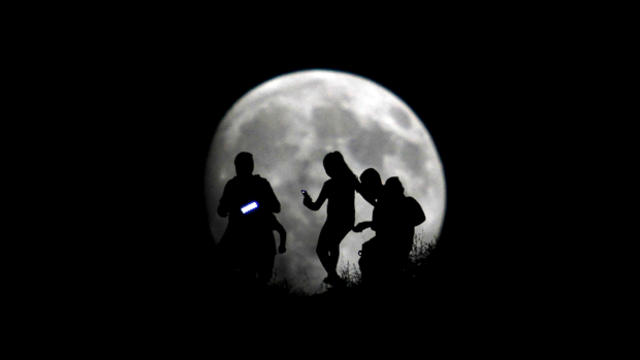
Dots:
pixel 371 190
pixel 370 186
pixel 395 220
pixel 339 190
pixel 248 241
pixel 395 217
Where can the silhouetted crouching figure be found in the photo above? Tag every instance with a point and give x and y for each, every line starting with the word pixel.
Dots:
pixel 339 190
pixel 248 245
pixel 371 190
pixel 395 217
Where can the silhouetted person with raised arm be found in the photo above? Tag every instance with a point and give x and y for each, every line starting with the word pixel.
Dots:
pixel 395 217
pixel 248 241
pixel 339 191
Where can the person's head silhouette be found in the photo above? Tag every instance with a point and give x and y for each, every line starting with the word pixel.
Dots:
pixel 393 188
pixel 371 182
pixel 331 163
pixel 335 166
pixel 244 164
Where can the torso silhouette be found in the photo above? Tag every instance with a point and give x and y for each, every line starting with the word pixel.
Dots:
pixel 341 195
pixel 394 221
pixel 251 231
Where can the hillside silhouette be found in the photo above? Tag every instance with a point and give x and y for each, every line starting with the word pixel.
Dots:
pixel 419 281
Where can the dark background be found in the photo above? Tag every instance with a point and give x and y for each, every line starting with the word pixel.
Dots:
pixel 126 104
pixel 142 105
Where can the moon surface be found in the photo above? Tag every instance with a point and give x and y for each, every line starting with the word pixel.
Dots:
pixel 289 124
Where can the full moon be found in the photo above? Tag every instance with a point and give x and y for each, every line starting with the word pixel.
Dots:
pixel 289 124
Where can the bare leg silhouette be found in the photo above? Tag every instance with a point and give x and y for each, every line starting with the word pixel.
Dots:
pixel 328 248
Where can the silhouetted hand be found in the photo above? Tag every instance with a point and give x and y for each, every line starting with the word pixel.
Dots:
pixel 361 226
pixel 306 199
pixel 282 249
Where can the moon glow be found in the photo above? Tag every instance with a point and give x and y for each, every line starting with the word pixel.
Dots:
pixel 289 124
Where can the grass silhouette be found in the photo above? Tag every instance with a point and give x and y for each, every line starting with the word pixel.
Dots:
pixel 354 300
pixel 413 277
pixel 418 258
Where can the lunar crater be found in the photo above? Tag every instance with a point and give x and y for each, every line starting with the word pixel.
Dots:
pixel 401 117
pixel 370 144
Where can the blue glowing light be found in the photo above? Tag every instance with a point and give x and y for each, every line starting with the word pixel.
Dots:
pixel 249 207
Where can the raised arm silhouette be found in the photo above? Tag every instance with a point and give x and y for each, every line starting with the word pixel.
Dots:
pixel 248 243
pixel 339 191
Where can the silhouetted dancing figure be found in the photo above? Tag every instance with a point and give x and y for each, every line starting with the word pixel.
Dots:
pixel 248 242
pixel 339 190
pixel 395 217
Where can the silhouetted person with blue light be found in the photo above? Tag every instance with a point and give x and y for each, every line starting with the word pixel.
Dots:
pixel 339 191
pixel 248 242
